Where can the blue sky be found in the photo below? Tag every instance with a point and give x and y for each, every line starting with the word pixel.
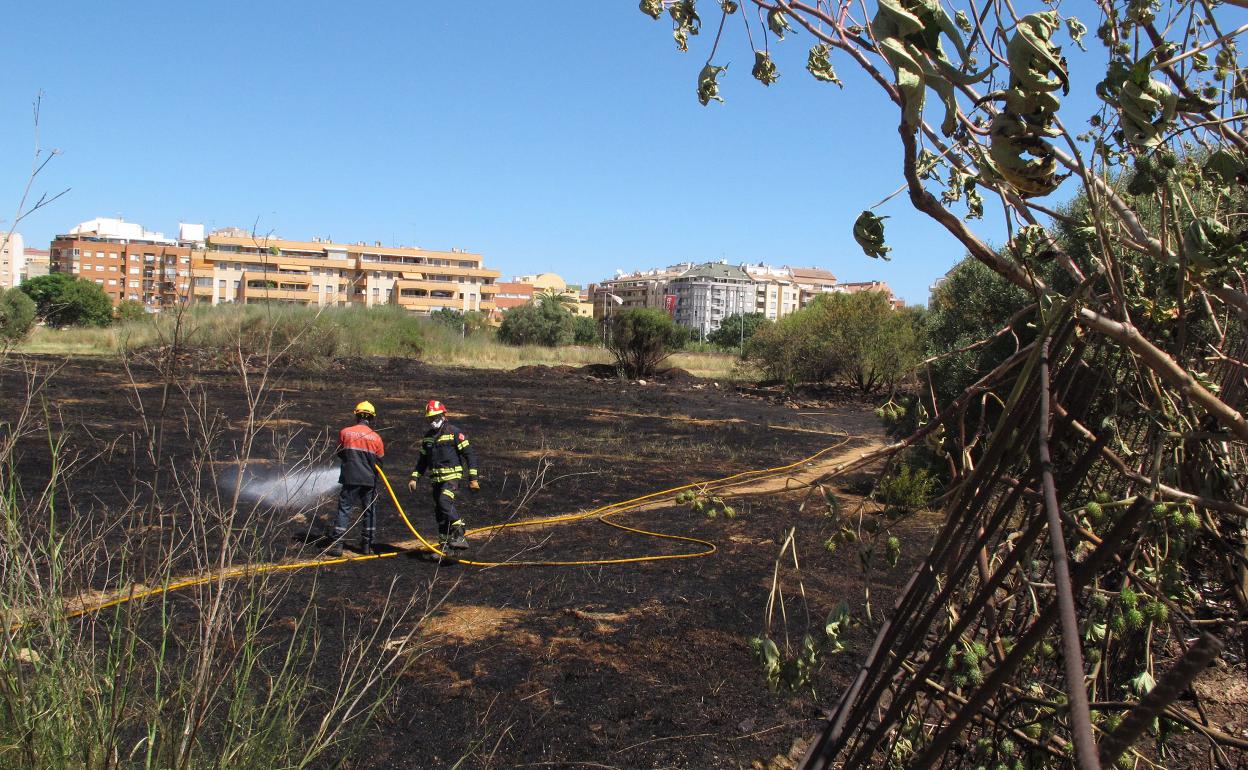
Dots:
pixel 562 137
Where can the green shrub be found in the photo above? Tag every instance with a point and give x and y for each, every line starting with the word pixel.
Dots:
pixel 130 310
pixel 585 331
pixel 906 489
pixel 856 339
pixel 641 339
pixel 63 300
pixel 548 323
pixel 736 330
pixel 17 315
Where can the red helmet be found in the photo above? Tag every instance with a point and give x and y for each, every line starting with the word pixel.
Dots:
pixel 434 408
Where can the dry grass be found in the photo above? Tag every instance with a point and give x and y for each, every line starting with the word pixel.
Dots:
pixel 339 332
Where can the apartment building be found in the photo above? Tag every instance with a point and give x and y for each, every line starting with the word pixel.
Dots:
pixel 774 291
pixel 811 282
pixel 513 293
pixel 640 289
pixel 709 293
pixel 12 259
pixel 36 263
pixel 879 286
pixel 126 261
pixel 777 293
pixel 235 266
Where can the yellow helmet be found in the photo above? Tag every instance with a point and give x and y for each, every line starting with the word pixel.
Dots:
pixel 366 409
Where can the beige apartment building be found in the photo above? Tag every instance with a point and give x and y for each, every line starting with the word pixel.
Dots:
pixel 235 266
pixel 36 263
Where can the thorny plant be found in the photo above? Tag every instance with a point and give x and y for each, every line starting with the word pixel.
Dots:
pixel 1133 387
pixel 218 675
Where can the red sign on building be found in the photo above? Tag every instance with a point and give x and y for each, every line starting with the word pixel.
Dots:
pixel 669 304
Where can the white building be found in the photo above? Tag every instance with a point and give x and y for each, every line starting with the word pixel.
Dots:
pixel 709 293
pixel 12 260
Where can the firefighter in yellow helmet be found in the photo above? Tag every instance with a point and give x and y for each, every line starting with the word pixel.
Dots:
pixel 447 458
pixel 361 450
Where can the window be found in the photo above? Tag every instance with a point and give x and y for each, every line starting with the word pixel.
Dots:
pixel 134 284
pixel 134 270
pixel 99 268
pixel 100 281
pixel 112 281
pixel 99 255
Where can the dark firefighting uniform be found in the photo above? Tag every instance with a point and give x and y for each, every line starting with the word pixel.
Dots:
pixel 360 449
pixel 446 458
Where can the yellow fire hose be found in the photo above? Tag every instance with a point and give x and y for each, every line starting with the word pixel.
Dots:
pixel 604 514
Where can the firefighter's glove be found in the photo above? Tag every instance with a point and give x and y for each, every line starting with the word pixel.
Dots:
pixel 474 485
pixel 411 486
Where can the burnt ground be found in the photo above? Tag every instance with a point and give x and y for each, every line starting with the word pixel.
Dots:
pixel 632 665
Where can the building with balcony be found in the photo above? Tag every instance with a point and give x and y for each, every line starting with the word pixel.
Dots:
pixel 513 293
pixel 644 288
pixel 879 286
pixel 235 266
pixel 126 261
pixel 811 282
pixel 709 293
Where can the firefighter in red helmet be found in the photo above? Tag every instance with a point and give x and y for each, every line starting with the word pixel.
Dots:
pixel 447 458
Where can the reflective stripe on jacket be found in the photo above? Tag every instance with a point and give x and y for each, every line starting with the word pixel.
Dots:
pixel 445 454
pixel 359 448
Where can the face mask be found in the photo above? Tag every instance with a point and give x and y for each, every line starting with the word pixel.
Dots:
pixel 436 423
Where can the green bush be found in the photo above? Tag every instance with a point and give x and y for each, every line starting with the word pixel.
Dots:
pixel 63 300
pixel 856 339
pixel 46 292
pixel 737 329
pixel 585 331
pixel 549 324
pixel 17 315
pixel 130 310
pixel 641 339
pixel 906 489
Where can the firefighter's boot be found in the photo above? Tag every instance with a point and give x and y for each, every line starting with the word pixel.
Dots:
pixel 457 539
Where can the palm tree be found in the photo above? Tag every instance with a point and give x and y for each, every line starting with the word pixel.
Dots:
pixel 565 301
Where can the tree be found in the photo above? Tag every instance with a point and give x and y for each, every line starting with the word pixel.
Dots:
pixel 46 291
pixel 641 339
pixel 130 310
pixel 857 339
pixel 585 331
pixel 63 300
pixel 17 315
pixel 734 330
pixel 548 324
pixel 83 303
pixel 566 301
pixel 466 323
pixel 1125 389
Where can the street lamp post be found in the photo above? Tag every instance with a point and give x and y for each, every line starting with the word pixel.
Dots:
pixel 606 314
